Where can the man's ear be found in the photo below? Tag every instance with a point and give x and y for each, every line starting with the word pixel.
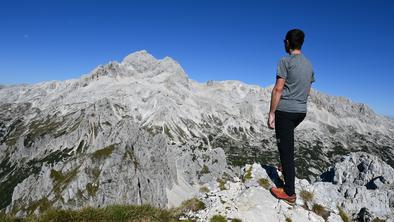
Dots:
pixel 287 46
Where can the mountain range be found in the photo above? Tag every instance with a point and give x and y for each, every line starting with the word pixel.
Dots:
pixel 141 131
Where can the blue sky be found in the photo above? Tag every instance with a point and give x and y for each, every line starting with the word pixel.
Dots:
pixel 350 43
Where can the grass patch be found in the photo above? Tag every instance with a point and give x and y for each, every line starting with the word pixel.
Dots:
pixel 218 218
pixel 321 211
pixel 236 220
pixel 205 169
pixel 306 196
pixel 95 172
pixel 139 213
pixel 204 189
pixel 343 214
pixel 222 183
pixel 42 205
pixel 104 153
pixel 167 132
pixel 60 180
pixel 130 213
pixel 288 219
pixel 248 174
pixel 193 204
pixel 264 182
pixel 92 189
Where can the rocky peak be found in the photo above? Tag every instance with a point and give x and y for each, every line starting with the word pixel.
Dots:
pixel 141 61
pixel 142 65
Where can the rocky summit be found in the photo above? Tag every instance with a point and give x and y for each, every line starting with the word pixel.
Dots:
pixel 140 131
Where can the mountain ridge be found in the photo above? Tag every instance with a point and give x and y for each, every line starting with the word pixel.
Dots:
pixel 143 59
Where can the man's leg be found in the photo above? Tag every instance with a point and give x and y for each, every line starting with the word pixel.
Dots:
pixel 284 130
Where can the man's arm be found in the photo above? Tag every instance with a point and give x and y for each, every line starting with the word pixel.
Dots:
pixel 276 93
pixel 275 98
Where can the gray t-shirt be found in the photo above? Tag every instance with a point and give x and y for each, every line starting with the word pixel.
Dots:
pixel 298 73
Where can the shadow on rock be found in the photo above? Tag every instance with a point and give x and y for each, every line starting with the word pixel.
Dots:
pixel 273 175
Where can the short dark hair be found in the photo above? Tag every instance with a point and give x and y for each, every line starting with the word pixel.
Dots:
pixel 295 38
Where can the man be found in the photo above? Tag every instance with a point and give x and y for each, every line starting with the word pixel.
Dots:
pixel 289 106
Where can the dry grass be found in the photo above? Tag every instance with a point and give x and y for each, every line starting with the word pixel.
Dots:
pixel 264 183
pixel 306 196
pixel 321 211
pixel 343 214
pixel 205 169
pixel 204 189
pixel 222 183
pixel 133 213
pixel 129 213
pixel 218 218
pixel 248 174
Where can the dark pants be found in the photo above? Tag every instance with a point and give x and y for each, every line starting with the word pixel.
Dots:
pixel 285 123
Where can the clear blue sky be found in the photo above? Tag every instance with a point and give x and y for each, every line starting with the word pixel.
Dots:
pixel 350 43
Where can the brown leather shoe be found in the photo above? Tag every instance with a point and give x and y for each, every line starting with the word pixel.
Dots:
pixel 281 194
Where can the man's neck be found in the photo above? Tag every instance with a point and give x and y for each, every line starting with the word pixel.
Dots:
pixel 295 52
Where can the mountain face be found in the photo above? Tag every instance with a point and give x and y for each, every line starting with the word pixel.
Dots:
pixel 140 131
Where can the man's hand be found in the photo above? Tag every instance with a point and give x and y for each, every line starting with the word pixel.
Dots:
pixel 271 120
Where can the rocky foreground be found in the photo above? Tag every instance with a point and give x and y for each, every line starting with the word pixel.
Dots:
pixel 359 187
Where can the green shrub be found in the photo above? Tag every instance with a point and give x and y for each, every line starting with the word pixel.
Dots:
pixel 288 219
pixel 218 218
pixel 236 220
pixel 378 220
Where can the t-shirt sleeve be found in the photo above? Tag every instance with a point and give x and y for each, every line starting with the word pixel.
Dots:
pixel 281 70
pixel 313 77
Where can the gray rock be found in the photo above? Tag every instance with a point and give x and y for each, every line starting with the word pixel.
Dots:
pixel 364 215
